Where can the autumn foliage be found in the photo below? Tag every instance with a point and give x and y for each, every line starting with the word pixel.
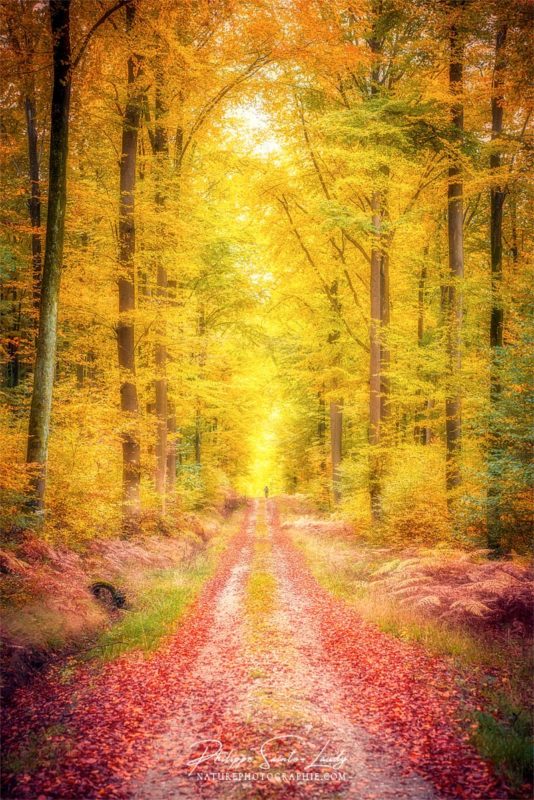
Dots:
pixel 280 245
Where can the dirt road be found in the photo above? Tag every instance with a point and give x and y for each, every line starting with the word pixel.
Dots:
pixel 270 688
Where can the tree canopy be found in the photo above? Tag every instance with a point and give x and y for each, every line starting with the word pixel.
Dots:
pixel 287 244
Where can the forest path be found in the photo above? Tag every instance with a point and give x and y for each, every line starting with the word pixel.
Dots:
pixel 264 714
pixel 270 687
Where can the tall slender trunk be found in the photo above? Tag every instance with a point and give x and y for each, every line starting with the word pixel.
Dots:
pixel 421 302
pixel 379 356
pixel 161 152
pixel 423 431
pixel 321 430
pixel 45 361
pixel 497 198
pixel 34 201
pixel 198 437
pixel 201 329
pixel 131 450
pixel 336 447
pixel 384 323
pixel 453 400
pixel 379 296
pixel 336 406
pixel 161 395
pixel 173 451
pixel 419 429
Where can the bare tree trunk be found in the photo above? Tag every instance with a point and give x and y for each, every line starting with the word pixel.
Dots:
pixel 131 451
pixel 336 436
pixel 497 198
pixel 453 400
pixel 45 362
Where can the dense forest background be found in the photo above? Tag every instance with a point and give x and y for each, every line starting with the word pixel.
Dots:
pixel 266 243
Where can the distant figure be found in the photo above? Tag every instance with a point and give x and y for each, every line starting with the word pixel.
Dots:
pixel 266 492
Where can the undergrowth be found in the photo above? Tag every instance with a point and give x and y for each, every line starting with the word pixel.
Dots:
pixel 499 665
pixel 163 598
pixel 507 743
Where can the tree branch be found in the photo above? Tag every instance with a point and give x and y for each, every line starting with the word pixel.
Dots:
pixel 88 36
pixel 334 303
pixel 251 70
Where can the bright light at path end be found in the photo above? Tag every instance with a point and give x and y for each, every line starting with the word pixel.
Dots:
pixel 265 464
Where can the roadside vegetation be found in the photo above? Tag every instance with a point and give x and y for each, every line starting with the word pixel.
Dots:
pixel 456 604
pixel 49 611
pixel 164 597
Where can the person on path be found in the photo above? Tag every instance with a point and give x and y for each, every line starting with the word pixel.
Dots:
pixel 266 492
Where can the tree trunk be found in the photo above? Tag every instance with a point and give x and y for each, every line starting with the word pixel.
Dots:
pixel 161 397
pixel 41 405
pixel 131 456
pixel 497 198
pixel 377 405
pixel 419 429
pixel 423 431
pixel 201 331
pixel 321 431
pixel 379 291
pixel 336 435
pixel 198 437
pixel 12 365
pixel 34 202
pixel 498 195
pixel 172 447
pixel 453 400
pixel 173 452
pixel 161 151
pixel 384 349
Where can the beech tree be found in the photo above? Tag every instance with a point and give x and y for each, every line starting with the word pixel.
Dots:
pixel 45 360
pixel 131 446
pixel 64 64
pixel 455 218
pixel 497 199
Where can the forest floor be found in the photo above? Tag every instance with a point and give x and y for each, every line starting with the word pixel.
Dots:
pixel 270 687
